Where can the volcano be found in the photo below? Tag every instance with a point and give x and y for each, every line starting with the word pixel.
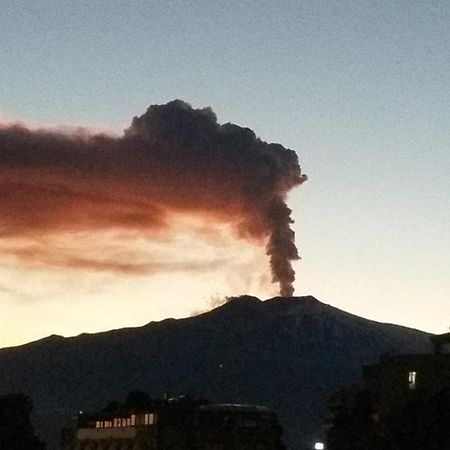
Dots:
pixel 289 354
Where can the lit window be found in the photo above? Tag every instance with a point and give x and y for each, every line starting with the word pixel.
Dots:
pixel 149 419
pixel 124 422
pixel 133 420
pixel 97 424
pixel 412 380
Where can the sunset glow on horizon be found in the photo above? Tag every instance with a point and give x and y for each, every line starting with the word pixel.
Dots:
pixel 114 214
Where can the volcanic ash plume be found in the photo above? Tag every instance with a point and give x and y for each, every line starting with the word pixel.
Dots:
pixel 172 160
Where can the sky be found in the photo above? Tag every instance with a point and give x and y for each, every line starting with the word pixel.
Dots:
pixel 359 89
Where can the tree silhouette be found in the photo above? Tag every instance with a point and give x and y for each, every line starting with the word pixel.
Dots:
pixel 16 430
pixel 352 426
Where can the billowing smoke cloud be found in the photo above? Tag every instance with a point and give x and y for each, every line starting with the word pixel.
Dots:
pixel 172 160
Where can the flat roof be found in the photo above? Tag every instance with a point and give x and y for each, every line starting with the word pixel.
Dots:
pixel 235 407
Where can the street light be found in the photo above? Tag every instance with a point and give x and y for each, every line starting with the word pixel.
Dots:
pixel 319 446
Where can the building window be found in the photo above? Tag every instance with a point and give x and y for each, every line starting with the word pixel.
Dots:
pixel 412 380
pixel 133 420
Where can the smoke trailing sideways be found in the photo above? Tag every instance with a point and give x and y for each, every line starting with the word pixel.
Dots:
pixel 172 160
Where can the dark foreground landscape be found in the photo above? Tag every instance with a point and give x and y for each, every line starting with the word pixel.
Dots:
pixel 289 354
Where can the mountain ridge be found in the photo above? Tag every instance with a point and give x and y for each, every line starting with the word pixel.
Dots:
pixel 287 353
pixel 232 300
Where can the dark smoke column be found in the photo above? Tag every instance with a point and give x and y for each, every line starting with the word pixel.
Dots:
pixel 173 160
pixel 281 247
pixel 227 168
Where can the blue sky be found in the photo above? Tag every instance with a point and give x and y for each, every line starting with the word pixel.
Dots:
pixel 358 88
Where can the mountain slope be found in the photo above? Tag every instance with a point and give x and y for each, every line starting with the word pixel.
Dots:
pixel 288 354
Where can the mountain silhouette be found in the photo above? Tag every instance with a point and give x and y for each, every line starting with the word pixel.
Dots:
pixel 289 354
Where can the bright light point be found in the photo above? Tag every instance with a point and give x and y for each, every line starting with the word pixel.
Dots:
pixel 319 446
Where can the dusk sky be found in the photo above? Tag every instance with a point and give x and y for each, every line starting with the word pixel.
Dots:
pixel 360 91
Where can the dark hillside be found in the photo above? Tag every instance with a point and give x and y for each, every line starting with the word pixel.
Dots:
pixel 289 354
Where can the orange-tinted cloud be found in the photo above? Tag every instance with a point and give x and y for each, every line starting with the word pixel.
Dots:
pixel 48 257
pixel 172 160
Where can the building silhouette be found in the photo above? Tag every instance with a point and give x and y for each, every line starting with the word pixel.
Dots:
pixel 398 405
pixel 176 425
